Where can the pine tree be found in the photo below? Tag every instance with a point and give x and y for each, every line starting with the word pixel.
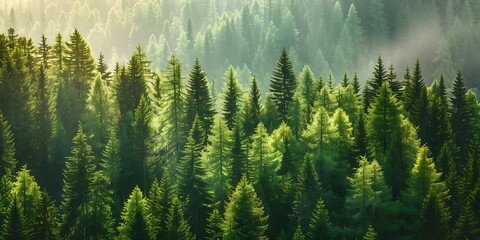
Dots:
pixel 244 217
pixel 416 101
pixel 13 226
pixel 373 85
pixel 177 227
pixel 43 125
pixel 98 115
pixel 239 161
pixel 100 214
pixel 308 193
pixel 7 149
pixel 231 100
pixel 46 220
pixel 393 146
pixel 159 200
pixel 356 84
pixel 461 120
pixel 44 52
pixel 320 226
pixel 198 99
pixel 80 64
pixel 192 185
pixel 434 219
pixel 283 84
pixel 217 156
pixel 78 176
pixel 141 143
pixel 253 108
pixel 306 88
pixel 214 225
pixel 135 223
pixel 173 113
pixel 370 234
pixel 102 68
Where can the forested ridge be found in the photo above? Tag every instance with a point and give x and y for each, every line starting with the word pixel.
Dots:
pixel 91 151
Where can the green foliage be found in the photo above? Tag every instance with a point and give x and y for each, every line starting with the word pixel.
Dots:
pixel 244 217
pixel 434 219
pixel 177 227
pixel 46 220
pixel 253 108
pixel 135 223
pixel 7 148
pixel 370 234
pixel 159 200
pixel 198 99
pixel 283 84
pixel 308 192
pixel 214 225
pixel 320 226
pixel 78 176
pixel 231 99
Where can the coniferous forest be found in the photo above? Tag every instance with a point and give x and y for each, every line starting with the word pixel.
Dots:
pixel 255 119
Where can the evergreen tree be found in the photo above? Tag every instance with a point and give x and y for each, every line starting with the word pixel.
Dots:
pixel 46 220
pixel 214 225
pixel 141 143
pixel 217 156
pixel 373 85
pixel 298 235
pixel 370 234
pixel 287 148
pixel 79 64
pixel 159 200
pixel 192 185
pixel 78 176
pixel 360 136
pixel 231 99
pixel 244 217
pixel 253 108
pixel 177 227
pixel 439 129
pixel 461 120
pixel 308 193
pixel 14 224
pixel 27 196
pixel 135 223
pixel 356 84
pixel 111 164
pixel 320 226
pixel 270 114
pixel 102 68
pixel 44 51
pixel 7 149
pixel 239 161
pixel 100 214
pixel 306 88
pixel 173 113
pixel 434 219
pixel 198 99
pixel 283 84
pixel 393 146
pixel 416 101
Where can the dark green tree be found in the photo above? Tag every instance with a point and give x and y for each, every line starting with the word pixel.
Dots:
pixel 434 219
pixel 78 176
pixel 7 149
pixel 214 225
pixel 283 84
pixel 13 226
pixel 177 226
pixel 159 200
pixel 320 226
pixel 373 85
pixel 102 68
pixel 232 98
pixel 416 101
pixel 192 183
pixel 253 108
pixel 239 161
pixel 46 219
pixel 141 142
pixel 198 99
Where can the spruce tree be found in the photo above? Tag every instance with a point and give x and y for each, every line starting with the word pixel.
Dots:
pixel 7 149
pixel 239 161
pixel 78 176
pixel 134 222
pixel 461 120
pixel 159 200
pixel 46 219
pixel 439 129
pixel 44 52
pixel 306 89
pixel 298 234
pixel 214 225
pixel 102 68
pixel 101 221
pixel 13 227
pixel 231 99
pixel 287 148
pixel 192 185
pixel 370 234
pixel 416 102
pixel 373 85
pixel 141 143
pixel 110 164
pixel 173 113
pixel 244 216
pixel 177 227
pixel 308 194
pixel 198 99
pixel 434 219
pixel 320 226
pixel 283 84
pixel 270 114
pixel 80 64
pixel 253 108
pixel 218 158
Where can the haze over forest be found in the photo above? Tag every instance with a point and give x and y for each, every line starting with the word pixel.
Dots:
pixel 267 119
pixel 325 34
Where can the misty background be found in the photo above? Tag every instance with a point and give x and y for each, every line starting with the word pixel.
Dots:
pixel 337 37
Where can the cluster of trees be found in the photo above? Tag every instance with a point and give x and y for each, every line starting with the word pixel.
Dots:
pixel 133 153
pixel 336 35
